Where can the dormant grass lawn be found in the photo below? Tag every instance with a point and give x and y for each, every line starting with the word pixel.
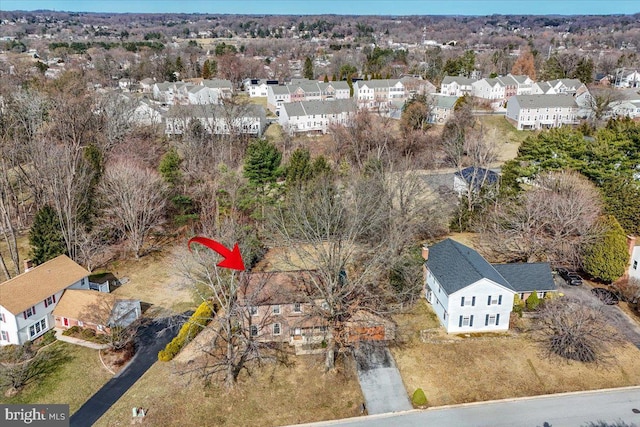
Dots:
pixel 454 369
pixel 73 382
pixel 274 395
pixel 506 137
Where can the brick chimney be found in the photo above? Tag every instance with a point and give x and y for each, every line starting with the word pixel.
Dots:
pixel 425 252
pixel 28 265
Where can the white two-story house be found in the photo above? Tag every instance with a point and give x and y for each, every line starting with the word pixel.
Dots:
pixel 529 112
pixel 28 300
pixel 470 295
pixel 316 116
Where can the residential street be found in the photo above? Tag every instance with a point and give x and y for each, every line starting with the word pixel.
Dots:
pixel 562 410
pixel 380 379
pixel 151 339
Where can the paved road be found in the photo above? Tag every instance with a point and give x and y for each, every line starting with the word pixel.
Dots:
pixel 562 410
pixel 616 317
pixel 151 339
pixel 380 379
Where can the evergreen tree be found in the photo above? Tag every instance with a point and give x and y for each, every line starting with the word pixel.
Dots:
pixel 607 258
pixel 308 69
pixel 262 168
pixel 299 168
pixel 170 167
pixel 533 301
pixel 45 236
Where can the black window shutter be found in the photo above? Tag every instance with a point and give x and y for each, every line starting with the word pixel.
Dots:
pixel 499 299
pixel 460 322
pixel 471 321
pixel 473 301
pixel 486 320
pixel 489 300
pixel 462 302
pixel 497 319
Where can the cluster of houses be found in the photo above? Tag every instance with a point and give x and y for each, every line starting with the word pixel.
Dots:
pixel 467 293
pixel 304 106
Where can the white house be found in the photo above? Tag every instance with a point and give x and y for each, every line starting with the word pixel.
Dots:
pixel 28 300
pixel 316 116
pixel 528 112
pixel 490 89
pixel 470 295
pixel 441 107
pixel 217 119
pixel 379 95
pixel 305 90
pixel 627 78
pixel 634 262
pixel 456 86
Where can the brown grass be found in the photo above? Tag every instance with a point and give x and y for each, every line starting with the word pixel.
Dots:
pixel 454 369
pixel 23 250
pixel 507 138
pixel 274 395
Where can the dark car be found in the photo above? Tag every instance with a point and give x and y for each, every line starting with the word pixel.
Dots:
pixel 605 295
pixel 571 277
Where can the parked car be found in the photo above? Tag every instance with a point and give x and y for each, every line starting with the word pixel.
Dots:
pixel 605 295
pixel 571 277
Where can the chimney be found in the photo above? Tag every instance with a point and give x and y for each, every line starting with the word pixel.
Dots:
pixel 28 265
pixel 425 252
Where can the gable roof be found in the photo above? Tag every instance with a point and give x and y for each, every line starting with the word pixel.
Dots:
pixel 86 305
pixel 33 286
pixel 306 108
pixel 463 81
pixel 479 176
pixel 528 277
pixel 279 287
pixel 545 101
pixel 457 266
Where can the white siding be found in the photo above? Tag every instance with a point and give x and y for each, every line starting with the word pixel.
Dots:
pixel 482 291
pixel 634 267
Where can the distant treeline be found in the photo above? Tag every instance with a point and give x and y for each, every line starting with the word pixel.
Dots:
pixel 80 47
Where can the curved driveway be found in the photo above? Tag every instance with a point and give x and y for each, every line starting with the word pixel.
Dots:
pixel 150 340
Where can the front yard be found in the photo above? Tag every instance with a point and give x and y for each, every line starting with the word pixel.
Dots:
pixel 454 369
pixel 273 395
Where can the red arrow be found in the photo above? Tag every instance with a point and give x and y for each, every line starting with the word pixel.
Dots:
pixel 232 259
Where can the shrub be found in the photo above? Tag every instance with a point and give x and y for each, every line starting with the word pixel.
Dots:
pixel 518 305
pixel 74 330
pixel 88 333
pixel 419 399
pixel 533 301
pixel 188 331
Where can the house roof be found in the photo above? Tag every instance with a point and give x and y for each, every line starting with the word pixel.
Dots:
pixel 444 101
pixel 463 81
pixel 545 101
pixel 457 266
pixel 528 277
pixel 33 286
pixel 86 305
pixel 479 176
pixel 305 108
pixel 280 287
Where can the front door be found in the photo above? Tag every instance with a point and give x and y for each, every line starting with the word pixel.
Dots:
pixel 65 321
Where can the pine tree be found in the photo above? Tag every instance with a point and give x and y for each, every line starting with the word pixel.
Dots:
pixel 308 69
pixel 607 258
pixel 45 236
pixel 170 167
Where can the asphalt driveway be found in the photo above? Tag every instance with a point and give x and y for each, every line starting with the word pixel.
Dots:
pixel 380 379
pixel 615 316
pixel 151 338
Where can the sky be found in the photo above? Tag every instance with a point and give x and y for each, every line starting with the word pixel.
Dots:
pixel 341 7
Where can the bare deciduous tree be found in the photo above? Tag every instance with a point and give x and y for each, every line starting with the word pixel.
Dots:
pixel 552 221
pixel 576 330
pixel 22 365
pixel 133 201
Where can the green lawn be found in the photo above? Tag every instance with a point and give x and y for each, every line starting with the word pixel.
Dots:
pixel 73 382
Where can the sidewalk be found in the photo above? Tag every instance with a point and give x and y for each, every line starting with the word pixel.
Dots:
pixel 78 341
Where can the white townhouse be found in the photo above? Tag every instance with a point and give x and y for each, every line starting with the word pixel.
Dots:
pixel 524 84
pixel 28 300
pixel 305 90
pixel 212 91
pixel 379 95
pixel 543 88
pixel 258 88
pixel 529 112
pixel 627 78
pixel 489 89
pixel 202 95
pixel 316 116
pixel 634 261
pixel 456 86
pixel 572 87
pixel 470 295
pixel 217 119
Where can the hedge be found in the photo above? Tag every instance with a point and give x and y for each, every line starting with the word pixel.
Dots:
pixel 189 330
pixel 419 399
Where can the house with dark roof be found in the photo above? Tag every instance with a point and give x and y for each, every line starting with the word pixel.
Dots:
pixel 469 294
pixel 474 178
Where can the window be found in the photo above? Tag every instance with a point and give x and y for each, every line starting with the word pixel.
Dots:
pixel 2 317
pixel 297 331
pixel 80 323
pixel 253 310
pixel 29 312
pixel 468 301
pixel 100 328
pixel 276 329
pixel 297 307
pixel 492 319
pixel 50 301
pixel 5 336
pixel 494 300
pixel 276 309
pixel 465 321
pixel 253 330
pixel 37 328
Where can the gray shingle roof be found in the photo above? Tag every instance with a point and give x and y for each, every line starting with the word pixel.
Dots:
pixel 545 101
pixel 457 266
pixel 528 277
pixel 444 101
pixel 306 108
pixel 465 81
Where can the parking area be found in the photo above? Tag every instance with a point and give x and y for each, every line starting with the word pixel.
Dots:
pixel 616 317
